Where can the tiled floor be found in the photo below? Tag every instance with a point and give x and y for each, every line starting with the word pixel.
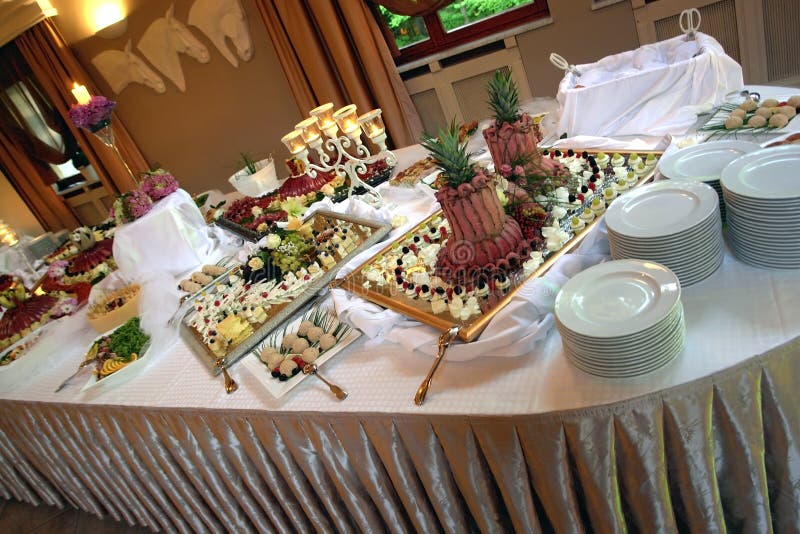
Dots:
pixel 21 518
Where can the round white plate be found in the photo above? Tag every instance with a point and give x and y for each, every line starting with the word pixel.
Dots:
pixel 769 174
pixel 618 343
pixel 684 246
pixel 704 162
pixel 667 356
pixel 760 261
pixel 661 209
pixel 629 351
pixel 617 298
pixel 710 225
pixel 644 358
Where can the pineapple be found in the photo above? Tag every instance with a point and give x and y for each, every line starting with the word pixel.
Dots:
pixel 451 156
pixel 503 97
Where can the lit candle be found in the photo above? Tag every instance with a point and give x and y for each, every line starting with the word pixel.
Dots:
pixel 310 129
pixel 80 93
pixel 294 142
pixel 324 116
pixel 372 123
pixel 347 119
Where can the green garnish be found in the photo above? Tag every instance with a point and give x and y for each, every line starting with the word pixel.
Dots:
pixel 128 339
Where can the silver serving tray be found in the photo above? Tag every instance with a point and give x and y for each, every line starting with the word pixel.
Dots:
pixel 284 311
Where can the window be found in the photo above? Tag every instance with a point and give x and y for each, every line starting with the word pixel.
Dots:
pixel 460 22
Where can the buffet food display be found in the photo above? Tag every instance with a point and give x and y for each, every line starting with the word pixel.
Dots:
pixel 447 274
pixel 287 269
pixel 753 115
pixel 280 361
pixel 116 350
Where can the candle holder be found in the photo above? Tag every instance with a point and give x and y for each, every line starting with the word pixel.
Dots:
pixel 333 151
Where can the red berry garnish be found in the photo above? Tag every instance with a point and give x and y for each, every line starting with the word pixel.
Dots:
pixel 216 303
pixel 581 197
pixel 592 186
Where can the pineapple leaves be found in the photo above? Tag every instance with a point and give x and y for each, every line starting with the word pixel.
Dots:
pixel 451 155
pixel 503 97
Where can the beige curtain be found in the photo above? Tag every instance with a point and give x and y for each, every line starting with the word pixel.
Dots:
pixel 56 68
pixel 335 52
pixel 49 209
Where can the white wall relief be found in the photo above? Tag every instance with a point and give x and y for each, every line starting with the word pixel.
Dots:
pixel 164 40
pixel 122 67
pixel 221 19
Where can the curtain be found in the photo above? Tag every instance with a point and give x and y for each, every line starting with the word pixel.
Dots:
pixel 413 8
pixel 335 52
pixel 56 68
pixel 49 208
pixel 28 117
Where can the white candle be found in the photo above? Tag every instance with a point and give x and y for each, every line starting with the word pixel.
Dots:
pixel 80 93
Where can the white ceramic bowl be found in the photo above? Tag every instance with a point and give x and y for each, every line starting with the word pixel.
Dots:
pixel 255 185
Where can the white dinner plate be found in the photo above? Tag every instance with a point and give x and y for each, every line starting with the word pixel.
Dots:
pixel 684 246
pixel 667 354
pixel 764 261
pixel 662 209
pixel 617 343
pixel 704 162
pixel 645 358
pixel 680 240
pixel 617 298
pixel 762 234
pixel 731 199
pixel 630 350
pixel 787 216
pixel 768 174
pixel 252 362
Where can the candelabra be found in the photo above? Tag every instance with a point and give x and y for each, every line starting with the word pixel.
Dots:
pixel 345 154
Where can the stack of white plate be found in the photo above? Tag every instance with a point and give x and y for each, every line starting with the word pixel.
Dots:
pixel 762 194
pixel 621 319
pixel 704 163
pixel 673 223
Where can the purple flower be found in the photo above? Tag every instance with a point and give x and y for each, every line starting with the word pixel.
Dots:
pixel 93 113
pixel 137 203
pixel 158 184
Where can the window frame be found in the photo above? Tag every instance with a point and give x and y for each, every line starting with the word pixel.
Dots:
pixel 440 40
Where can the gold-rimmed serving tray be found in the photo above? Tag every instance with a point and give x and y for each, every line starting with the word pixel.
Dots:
pixel 280 312
pixel 469 329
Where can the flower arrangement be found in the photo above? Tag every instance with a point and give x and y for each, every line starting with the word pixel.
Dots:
pixel 130 206
pixel 158 184
pixel 94 115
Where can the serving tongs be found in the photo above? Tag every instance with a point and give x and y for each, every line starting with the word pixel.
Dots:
pixel 90 357
pixel 311 369
pixel 444 341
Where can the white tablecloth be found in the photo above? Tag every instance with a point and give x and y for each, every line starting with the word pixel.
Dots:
pixel 738 312
pixel 172 237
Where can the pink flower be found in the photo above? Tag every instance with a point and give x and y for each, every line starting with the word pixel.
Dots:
pixel 137 203
pixel 505 170
pixel 158 184
pixel 519 171
pixel 92 115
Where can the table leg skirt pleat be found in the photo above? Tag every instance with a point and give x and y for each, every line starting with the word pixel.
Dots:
pixel 721 453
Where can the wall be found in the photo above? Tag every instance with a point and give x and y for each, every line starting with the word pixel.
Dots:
pixel 580 35
pixel 15 212
pixel 199 134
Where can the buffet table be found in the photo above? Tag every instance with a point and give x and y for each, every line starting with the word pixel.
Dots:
pixel 708 443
